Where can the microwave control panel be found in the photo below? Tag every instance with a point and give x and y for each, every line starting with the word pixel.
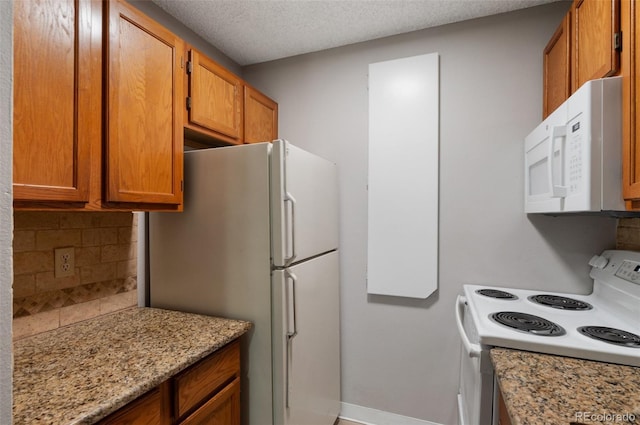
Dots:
pixel 574 158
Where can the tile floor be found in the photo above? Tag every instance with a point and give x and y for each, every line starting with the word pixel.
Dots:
pixel 344 422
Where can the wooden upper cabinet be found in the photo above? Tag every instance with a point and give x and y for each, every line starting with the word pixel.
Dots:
pixel 56 98
pixel 557 68
pixel 630 18
pixel 260 117
pixel 214 103
pixel 596 40
pixel 144 80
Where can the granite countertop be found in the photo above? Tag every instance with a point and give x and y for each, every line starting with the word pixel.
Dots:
pixel 80 373
pixel 545 389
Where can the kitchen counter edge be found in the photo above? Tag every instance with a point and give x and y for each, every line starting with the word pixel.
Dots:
pixel 548 389
pixel 81 373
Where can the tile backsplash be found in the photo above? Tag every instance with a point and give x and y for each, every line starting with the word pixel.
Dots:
pixel 628 234
pixel 105 276
pixel 104 279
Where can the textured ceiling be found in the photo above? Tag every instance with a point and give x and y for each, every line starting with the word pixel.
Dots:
pixel 253 31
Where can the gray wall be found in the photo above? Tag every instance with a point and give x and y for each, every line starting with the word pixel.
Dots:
pixel 399 355
pixel 6 211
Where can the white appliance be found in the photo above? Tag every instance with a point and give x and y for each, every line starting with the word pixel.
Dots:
pixel 573 159
pixel 603 326
pixel 258 241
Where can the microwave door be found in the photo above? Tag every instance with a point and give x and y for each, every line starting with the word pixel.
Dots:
pixel 544 169
pixel 545 158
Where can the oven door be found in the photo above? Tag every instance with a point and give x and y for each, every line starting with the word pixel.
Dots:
pixel 476 399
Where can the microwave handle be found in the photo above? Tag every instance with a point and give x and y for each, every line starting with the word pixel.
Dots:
pixel 556 132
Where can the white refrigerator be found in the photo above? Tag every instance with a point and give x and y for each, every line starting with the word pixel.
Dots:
pixel 258 241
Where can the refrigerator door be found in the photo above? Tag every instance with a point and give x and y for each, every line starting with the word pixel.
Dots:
pixel 306 342
pixel 214 257
pixel 304 204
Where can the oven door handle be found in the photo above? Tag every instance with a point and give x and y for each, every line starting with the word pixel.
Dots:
pixel 472 349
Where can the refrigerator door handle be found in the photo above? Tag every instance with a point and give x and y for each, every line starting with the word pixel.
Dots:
pixel 291 309
pixel 289 198
pixel 292 305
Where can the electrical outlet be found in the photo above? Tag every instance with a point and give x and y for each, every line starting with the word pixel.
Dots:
pixel 65 262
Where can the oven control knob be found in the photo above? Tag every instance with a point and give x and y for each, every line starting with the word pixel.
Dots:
pixel 598 262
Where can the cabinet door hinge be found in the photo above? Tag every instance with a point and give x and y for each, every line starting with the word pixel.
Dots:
pixel 181 185
pixel 189 67
pixel 182 62
pixel 617 41
pixel 189 102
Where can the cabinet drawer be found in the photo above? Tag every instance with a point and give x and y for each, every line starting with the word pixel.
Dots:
pixel 146 410
pixel 221 409
pixel 205 378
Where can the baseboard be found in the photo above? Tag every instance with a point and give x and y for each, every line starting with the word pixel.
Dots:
pixel 368 416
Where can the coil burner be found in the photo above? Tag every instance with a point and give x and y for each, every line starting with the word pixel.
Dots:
pixel 611 336
pixel 496 293
pixel 528 323
pixel 562 303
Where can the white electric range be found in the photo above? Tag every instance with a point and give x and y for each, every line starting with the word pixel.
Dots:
pixel 602 326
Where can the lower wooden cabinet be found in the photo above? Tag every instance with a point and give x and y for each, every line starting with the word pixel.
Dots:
pixel 199 382
pixel 146 410
pixel 503 414
pixel 206 393
pixel 221 409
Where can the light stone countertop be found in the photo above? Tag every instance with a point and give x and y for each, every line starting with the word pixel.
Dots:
pixel 83 372
pixel 540 389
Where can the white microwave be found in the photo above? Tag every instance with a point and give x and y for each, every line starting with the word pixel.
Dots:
pixel 573 159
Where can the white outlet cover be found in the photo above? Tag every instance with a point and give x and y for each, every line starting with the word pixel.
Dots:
pixel 64 260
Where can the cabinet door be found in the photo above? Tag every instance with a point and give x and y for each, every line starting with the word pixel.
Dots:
pixel 596 26
pixel 630 111
pixel 503 413
pixel 57 84
pixel 221 409
pixel 215 98
pixel 144 140
pixel 260 117
pixel 557 68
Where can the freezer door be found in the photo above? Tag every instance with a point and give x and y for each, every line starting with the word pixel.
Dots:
pixel 306 338
pixel 304 199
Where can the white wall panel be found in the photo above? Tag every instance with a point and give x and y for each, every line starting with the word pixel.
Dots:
pixel 402 254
